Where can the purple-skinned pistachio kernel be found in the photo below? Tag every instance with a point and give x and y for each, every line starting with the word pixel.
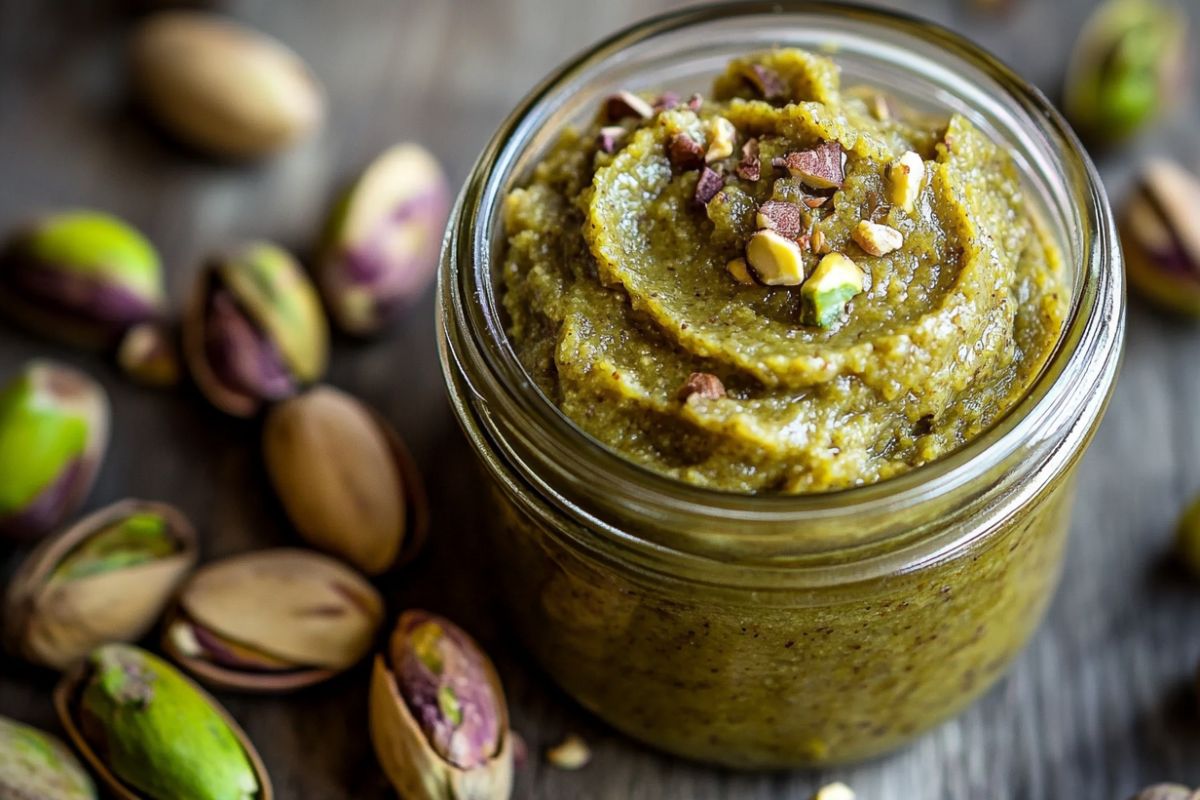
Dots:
pixel 240 355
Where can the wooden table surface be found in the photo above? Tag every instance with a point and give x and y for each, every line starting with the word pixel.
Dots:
pixel 1100 704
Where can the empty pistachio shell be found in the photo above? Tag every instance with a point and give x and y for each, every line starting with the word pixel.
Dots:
pixel 439 720
pixel 273 620
pixel 345 478
pixel 148 354
pixel 223 87
pixel 1162 239
pixel 53 433
pixel 381 242
pixel 36 766
pixel 106 578
pixel 80 276
pixel 149 732
pixel 254 331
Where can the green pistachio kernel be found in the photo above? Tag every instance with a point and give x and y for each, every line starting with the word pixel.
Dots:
pixel 35 765
pixel 137 539
pixel 833 283
pixel 98 246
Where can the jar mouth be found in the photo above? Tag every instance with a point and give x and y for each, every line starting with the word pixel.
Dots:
pixel 1049 154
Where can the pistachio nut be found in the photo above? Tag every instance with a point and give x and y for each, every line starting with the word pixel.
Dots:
pixel 1126 68
pixel 53 434
pixel 1167 791
pixel 345 478
pixel 273 620
pixel 105 579
pixel 80 276
pixel 254 330
pixel 149 732
pixel 149 355
pixel 439 721
pixel 1161 238
pixel 34 764
pixel 223 87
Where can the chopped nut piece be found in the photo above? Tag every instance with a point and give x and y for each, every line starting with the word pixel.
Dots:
pixel 776 259
pixel 685 153
pixel 666 100
pixel 820 168
pixel 780 216
pixel 881 108
pixel 815 202
pixel 609 136
pixel 707 186
pixel 835 791
pixel 721 138
pixel 817 241
pixel 627 104
pixel 695 102
pixel 835 280
pixel 704 385
pixel 740 271
pixel 766 81
pixel 906 175
pixel 875 239
pixel 749 168
pixel 571 753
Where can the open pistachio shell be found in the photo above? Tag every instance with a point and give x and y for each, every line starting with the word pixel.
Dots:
pixel 36 766
pixel 53 434
pixel 273 620
pixel 346 479
pixel 106 578
pixel 152 733
pixel 439 720
pixel 254 331
pixel 1162 239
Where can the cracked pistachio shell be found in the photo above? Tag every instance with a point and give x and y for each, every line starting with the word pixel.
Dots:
pixel 53 434
pixel 345 478
pixel 149 732
pixel 223 87
pixel 381 243
pixel 439 720
pixel 36 766
pixel 273 620
pixel 80 276
pixel 254 332
pixel 1162 239
pixel 107 578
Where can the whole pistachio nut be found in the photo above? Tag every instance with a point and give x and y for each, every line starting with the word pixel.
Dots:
pixel 36 766
pixel 223 87
pixel 80 276
pixel 345 478
pixel 149 732
pixel 1127 68
pixel 149 355
pixel 107 578
pixel 254 332
pixel 439 720
pixel 53 434
pixel 381 243
pixel 1161 237
pixel 273 620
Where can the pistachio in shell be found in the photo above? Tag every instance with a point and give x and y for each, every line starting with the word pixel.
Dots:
pixel 439 720
pixel 1161 237
pixel 83 277
pixel 223 87
pixel 273 620
pixel 53 434
pixel 254 332
pixel 148 354
pixel 35 765
pixel 107 578
pixel 149 732
pixel 346 479
pixel 381 243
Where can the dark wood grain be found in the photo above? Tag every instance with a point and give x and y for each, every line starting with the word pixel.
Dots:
pixel 1100 704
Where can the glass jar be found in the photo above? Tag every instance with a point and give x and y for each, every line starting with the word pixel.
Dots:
pixel 778 631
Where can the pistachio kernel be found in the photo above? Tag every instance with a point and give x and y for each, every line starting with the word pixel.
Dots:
pixel 721 138
pixel 766 81
pixel 876 239
pixel 704 385
pixel 776 259
pixel 571 753
pixel 780 216
pixel 833 283
pixel 685 153
pixel 707 186
pixel 834 791
pixel 740 270
pixel 623 105
pixel 749 168
pixel 905 176
pixel 821 167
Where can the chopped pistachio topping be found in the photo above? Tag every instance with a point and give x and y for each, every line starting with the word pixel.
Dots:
pixel 876 239
pixel 722 137
pixel 740 271
pixel 820 167
pixel 571 753
pixel 776 259
pixel 906 175
pixel 835 280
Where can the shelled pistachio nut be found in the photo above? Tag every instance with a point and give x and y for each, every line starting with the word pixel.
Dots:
pixel 149 732
pixel 254 330
pixel 149 354
pixel 53 434
pixel 273 621
pixel 1161 237
pixel 105 579
pixel 34 764
pixel 223 87
pixel 1126 69
pixel 381 243
pixel 346 479
pixel 82 277
pixel 439 720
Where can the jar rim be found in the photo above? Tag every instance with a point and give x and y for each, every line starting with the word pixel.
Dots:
pixel 1086 335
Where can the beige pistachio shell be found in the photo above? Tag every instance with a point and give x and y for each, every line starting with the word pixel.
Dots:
pixel 345 478
pixel 292 607
pixel 56 623
pixel 66 705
